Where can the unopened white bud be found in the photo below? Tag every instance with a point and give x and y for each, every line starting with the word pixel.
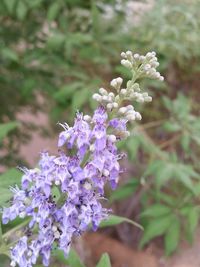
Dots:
pixel 148 98
pixel 97 97
pixel 138 116
pixel 128 53
pixel 87 186
pixel 57 182
pixel 105 172
pixel 140 99
pixel 157 75
pixel 103 91
pixel 129 107
pixel 136 56
pixel 122 110
pixel 155 64
pixel 22 214
pixel 142 58
pixel 113 83
pixel 161 78
pixel 129 56
pixel 115 105
pixel 29 253
pixel 111 95
pixel 109 106
pixel 119 81
pixel 149 55
pixel 92 148
pixel 56 234
pixel 105 98
pixel 130 117
pixel 123 54
pixel 13 264
pixel 123 92
pixel 126 63
pixel 145 94
pixel 147 67
pixel 112 138
pixel 87 118
pixel 54 228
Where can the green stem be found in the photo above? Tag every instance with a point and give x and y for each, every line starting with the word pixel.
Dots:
pixel 1 234
pixel 13 230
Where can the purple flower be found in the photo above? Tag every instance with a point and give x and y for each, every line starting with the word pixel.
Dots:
pixel 80 179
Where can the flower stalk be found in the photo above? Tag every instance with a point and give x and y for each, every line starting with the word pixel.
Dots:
pixel 81 175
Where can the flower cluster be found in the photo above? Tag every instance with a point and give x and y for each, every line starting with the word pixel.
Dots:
pixel 63 196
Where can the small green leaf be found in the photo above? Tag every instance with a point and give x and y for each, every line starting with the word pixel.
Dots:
pixel 172 237
pixel 156 227
pixel 9 178
pixel 124 191
pixel 171 126
pixel 53 11
pixel 156 210
pixel 21 10
pixel 80 98
pixel 72 260
pixel 67 91
pixel 5 128
pixel 9 54
pixel 185 142
pixel 115 220
pixel 193 219
pixel 55 41
pixel 10 5
pixel 104 261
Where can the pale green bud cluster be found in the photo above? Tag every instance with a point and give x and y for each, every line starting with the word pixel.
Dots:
pixel 140 66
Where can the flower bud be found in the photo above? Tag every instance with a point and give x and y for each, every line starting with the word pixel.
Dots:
pixel 138 116
pixel 103 91
pixel 105 172
pixel 115 105
pixel 109 106
pixel 87 118
pixel 126 63
pixel 122 110
pixel 97 97
pixel 112 138
pixel 123 92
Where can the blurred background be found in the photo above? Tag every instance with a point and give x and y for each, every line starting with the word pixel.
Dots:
pixel 53 56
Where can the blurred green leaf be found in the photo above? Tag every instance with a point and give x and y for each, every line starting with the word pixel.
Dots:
pixel 193 219
pixel 156 210
pixel 10 5
pixel 5 128
pixel 56 40
pixel 72 260
pixel 21 10
pixel 79 98
pixel 9 54
pixel 7 179
pixel 125 190
pixel 156 227
pixel 104 261
pixel 172 237
pixel 53 11
pixel 115 220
